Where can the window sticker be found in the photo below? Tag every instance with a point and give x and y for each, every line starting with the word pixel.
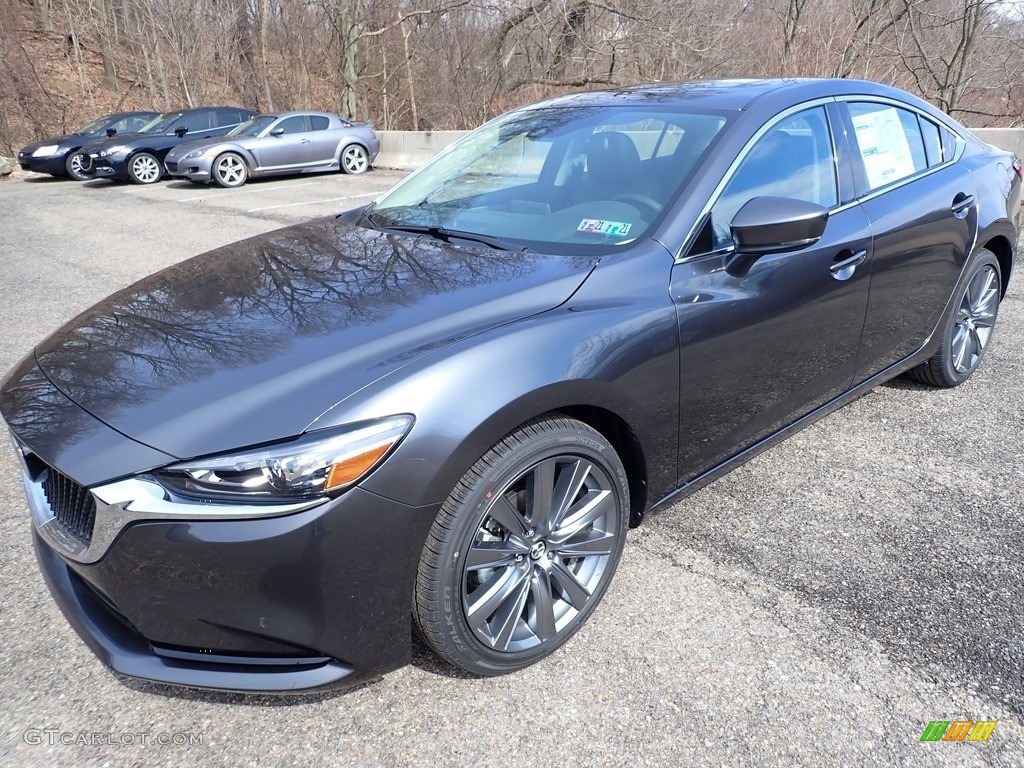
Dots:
pixel 605 227
pixel 883 145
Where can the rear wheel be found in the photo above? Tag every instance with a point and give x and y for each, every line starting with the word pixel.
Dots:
pixel 74 168
pixel 143 168
pixel 230 170
pixel 354 159
pixel 524 548
pixel 968 326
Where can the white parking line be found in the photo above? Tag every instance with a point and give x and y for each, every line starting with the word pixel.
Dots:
pixel 314 202
pixel 244 191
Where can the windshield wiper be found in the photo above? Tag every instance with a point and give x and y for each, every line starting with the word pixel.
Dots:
pixel 447 235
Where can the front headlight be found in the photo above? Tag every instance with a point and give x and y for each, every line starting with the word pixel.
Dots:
pixel 317 464
pixel 111 151
pixel 197 153
pixel 46 151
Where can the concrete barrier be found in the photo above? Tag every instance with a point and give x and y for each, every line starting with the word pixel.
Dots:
pixel 408 150
pixel 1010 139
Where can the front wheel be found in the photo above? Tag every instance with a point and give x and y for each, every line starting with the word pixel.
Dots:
pixel 143 168
pixel 73 166
pixel 524 548
pixel 968 326
pixel 354 159
pixel 229 170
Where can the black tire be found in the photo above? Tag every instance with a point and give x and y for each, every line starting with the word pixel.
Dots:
pixel 548 558
pixel 229 170
pixel 968 326
pixel 73 166
pixel 144 168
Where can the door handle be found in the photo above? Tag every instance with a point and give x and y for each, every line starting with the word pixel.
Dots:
pixel 961 205
pixel 305 141
pixel 845 262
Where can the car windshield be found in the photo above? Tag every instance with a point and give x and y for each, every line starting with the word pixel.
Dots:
pixel 94 127
pixel 253 126
pixel 161 123
pixel 580 179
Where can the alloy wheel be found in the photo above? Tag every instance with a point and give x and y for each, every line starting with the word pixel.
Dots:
pixel 354 159
pixel 146 169
pixel 542 548
pixel 975 318
pixel 230 171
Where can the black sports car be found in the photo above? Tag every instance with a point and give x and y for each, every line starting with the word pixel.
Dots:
pixel 59 156
pixel 261 468
pixel 139 157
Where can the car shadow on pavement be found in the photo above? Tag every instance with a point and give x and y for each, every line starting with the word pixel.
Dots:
pixel 425 659
pixel 231 697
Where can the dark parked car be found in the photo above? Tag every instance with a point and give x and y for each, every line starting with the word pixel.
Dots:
pixel 139 157
pixel 269 145
pixel 59 156
pixel 257 469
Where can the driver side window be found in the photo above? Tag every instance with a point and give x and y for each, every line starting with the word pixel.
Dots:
pixel 795 159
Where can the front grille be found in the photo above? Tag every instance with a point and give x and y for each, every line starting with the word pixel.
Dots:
pixel 72 505
pixel 172 167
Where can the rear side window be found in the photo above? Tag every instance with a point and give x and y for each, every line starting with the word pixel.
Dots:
pixel 197 121
pixel 318 122
pixel 226 117
pixel 889 141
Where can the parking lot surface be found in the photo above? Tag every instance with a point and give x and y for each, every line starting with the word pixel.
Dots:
pixel 818 606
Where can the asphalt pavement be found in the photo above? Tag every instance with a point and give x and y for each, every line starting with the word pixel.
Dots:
pixel 819 606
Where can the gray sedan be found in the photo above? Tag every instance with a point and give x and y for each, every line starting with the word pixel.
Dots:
pixel 287 142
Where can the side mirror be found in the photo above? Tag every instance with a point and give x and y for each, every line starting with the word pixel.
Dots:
pixel 180 131
pixel 111 132
pixel 772 225
pixel 277 132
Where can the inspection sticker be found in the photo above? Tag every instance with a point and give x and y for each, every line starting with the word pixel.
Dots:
pixel 603 227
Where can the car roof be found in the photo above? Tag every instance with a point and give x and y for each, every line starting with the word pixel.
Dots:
pixel 297 112
pixel 737 94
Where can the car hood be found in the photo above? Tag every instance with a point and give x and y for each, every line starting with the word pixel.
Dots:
pixel 252 342
pixel 71 138
pixel 116 140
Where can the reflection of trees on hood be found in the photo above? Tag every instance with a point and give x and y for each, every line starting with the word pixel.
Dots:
pixel 245 303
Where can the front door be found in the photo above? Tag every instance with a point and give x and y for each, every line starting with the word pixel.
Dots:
pixel 759 351
pixel 289 150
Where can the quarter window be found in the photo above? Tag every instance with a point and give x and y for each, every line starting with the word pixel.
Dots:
pixel 889 141
pixel 793 159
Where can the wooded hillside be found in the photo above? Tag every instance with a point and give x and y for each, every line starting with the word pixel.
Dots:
pixel 435 64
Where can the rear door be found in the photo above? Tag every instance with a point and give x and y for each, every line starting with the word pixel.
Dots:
pixel 923 221
pixel 759 351
pixel 323 143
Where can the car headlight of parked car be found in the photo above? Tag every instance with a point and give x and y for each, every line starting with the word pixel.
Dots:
pixel 197 153
pixel 119 150
pixel 317 464
pixel 46 151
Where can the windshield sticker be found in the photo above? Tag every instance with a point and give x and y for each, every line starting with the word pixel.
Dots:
pixel 604 227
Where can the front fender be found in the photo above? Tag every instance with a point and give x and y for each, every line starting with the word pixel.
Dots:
pixel 622 357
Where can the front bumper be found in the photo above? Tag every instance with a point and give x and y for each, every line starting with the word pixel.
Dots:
pixel 196 168
pixel 315 599
pixel 106 167
pixel 53 164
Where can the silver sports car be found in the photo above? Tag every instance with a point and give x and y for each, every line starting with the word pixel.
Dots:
pixel 286 142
